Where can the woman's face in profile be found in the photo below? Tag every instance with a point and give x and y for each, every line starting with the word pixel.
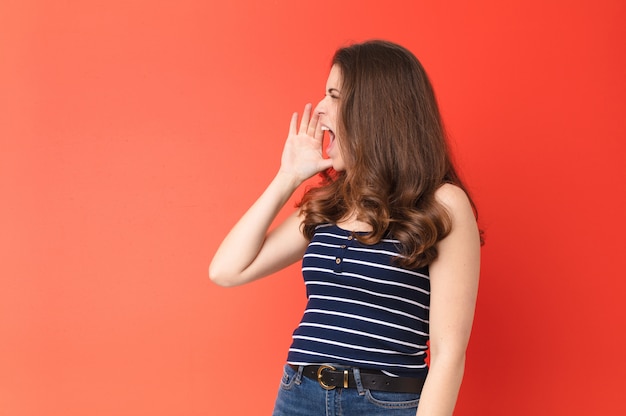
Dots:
pixel 328 109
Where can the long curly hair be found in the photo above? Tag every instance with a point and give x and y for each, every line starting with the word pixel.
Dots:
pixel 394 146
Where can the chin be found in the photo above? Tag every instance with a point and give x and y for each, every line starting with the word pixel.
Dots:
pixel 339 167
pixel 338 164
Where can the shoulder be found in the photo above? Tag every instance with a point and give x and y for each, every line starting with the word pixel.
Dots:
pixel 464 227
pixel 455 200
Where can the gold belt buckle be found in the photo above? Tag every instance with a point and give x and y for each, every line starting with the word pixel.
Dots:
pixel 319 376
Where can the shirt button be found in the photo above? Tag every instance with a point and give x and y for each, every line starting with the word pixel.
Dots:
pixel 337 260
pixel 343 246
pixel 350 237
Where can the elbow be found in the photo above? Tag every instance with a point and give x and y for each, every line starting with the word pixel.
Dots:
pixel 452 358
pixel 448 355
pixel 221 277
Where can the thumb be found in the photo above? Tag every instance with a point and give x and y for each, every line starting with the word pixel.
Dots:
pixel 325 164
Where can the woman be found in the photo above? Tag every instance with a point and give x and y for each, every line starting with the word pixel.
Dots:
pixel 389 245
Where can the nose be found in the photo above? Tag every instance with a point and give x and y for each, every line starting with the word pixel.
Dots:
pixel 320 108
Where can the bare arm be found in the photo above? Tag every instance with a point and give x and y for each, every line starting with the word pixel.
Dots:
pixel 454 287
pixel 249 251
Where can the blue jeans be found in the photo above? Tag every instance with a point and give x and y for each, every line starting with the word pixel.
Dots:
pixel 302 396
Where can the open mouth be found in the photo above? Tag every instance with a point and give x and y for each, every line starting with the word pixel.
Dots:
pixel 331 137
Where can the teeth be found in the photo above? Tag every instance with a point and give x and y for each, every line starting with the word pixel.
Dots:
pixel 325 128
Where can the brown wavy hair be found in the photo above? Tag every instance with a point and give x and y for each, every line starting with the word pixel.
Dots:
pixel 394 146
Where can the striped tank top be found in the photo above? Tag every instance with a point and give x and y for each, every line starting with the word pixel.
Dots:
pixel 363 310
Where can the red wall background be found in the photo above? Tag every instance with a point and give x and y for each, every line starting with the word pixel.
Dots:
pixel 134 133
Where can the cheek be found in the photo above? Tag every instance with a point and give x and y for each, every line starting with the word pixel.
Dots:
pixel 333 111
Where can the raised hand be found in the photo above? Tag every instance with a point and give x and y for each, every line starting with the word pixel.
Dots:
pixel 250 251
pixel 302 155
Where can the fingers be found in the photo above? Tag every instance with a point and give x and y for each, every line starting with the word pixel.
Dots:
pixel 314 127
pixel 293 125
pixel 309 125
pixel 306 115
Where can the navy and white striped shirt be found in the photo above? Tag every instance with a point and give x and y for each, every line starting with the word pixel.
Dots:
pixel 363 309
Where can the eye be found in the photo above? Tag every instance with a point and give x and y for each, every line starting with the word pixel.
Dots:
pixel 333 93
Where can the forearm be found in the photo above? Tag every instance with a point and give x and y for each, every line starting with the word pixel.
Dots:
pixel 249 252
pixel 243 243
pixel 442 386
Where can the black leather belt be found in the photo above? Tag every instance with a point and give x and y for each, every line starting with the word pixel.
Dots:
pixel 330 377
